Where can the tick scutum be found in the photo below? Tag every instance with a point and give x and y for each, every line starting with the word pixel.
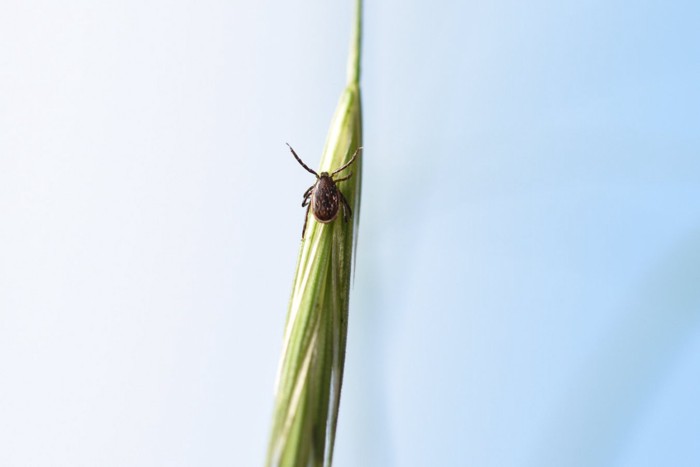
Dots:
pixel 325 199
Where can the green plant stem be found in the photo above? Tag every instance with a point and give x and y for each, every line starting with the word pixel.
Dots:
pixel 311 369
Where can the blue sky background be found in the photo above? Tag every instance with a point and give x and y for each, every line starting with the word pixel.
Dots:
pixel 528 275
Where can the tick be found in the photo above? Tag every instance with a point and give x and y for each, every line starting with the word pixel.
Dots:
pixel 324 198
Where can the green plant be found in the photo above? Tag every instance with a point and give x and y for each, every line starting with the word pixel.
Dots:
pixel 313 354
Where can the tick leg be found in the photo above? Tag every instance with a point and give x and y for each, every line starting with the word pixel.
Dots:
pixel 347 212
pixel 306 218
pixel 352 159
pixel 343 179
pixel 300 161
pixel 307 196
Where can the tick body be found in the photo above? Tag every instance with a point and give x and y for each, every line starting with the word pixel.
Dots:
pixel 323 198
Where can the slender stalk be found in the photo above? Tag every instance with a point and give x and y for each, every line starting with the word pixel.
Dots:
pixel 355 47
pixel 310 375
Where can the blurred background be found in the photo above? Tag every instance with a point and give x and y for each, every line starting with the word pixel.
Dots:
pixel 527 289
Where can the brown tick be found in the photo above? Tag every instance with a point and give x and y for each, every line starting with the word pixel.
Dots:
pixel 323 198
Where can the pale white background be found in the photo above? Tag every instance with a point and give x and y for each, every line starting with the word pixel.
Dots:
pixel 527 286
